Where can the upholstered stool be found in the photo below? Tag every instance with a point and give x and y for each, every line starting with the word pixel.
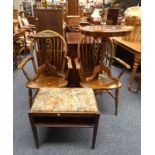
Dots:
pixel 64 107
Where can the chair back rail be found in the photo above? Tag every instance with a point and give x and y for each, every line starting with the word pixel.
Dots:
pixel 93 52
pixel 50 48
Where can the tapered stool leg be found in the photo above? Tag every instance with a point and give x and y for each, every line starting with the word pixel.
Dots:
pixel 30 97
pixel 95 132
pixel 34 131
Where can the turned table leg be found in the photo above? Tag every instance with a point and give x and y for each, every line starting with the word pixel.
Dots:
pixel 133 72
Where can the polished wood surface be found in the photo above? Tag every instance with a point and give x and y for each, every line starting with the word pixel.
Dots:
pixel 129 45
pixel 72 39
pixel 95 56
pixel 73 21
pixel 106 30
pixel 72 24
pixel 50 50
pixel 73 7
pixel 49 20
pixel 135 49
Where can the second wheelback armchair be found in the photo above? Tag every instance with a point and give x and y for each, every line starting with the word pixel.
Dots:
pixel 95 57
pixel 50 50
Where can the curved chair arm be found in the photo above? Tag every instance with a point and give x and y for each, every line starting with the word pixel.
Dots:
pixel 123 63
pixel 80 70
pixel 69 62
pixel 126 66
pixel 77 63
pixel 24 61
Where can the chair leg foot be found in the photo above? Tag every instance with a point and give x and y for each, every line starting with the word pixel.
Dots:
pixel 116 101
pixel 34 131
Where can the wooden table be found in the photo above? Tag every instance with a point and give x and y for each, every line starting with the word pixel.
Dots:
pixel 73 39
pixel 64 107
pixel 105 31
pixel 134 48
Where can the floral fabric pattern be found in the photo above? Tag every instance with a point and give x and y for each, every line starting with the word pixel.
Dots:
pixel 65 100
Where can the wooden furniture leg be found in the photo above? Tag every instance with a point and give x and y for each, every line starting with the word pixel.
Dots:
pixel 34 130
pixel 25 45
pixel 133 73
pixel 95 132
pixel 116 101
pixel 30 97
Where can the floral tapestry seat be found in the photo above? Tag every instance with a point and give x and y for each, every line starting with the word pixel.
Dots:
pixel 65 100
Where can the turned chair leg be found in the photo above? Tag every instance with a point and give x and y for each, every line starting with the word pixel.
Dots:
pixel 116 101
pixel 34 131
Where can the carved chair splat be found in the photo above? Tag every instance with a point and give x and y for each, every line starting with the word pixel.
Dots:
pixel 95 57
pixel 53 63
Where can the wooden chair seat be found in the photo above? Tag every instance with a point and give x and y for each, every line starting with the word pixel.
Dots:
pixel 47 81
pixel 104 83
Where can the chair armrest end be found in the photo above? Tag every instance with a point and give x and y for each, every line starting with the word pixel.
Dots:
pixel 77 63
pixel 127 66
pixel 24 61
pixel 69 62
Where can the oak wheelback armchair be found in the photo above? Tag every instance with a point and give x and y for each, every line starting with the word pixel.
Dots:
pixel 53 63
pixel 95 57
